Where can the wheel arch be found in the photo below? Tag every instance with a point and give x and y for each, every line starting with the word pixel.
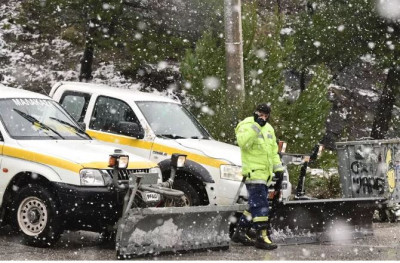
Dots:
pixel 195 169
pixel 194 173
pixel 17 182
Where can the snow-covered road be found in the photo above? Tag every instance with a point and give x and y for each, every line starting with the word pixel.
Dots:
pixel 384 245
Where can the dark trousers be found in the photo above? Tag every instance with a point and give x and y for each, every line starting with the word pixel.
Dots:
pixel 258 206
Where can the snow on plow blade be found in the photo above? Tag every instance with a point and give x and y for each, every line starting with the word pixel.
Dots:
pixel 154 230
pixel 309 221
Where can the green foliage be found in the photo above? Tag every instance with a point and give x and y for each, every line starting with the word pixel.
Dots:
pixel 6 26
pixel 264 61
pixel 323 188
pixel 202 65
pixel 327 160
pixel 73 35
pixel 118 32
pixel 338 33
pixel 341 33
pixel 265 58
pixel 302 124
pixel 204 61
pixel 316 186
pixel 265 64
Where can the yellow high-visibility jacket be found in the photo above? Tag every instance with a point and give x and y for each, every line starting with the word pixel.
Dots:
pixel 259 151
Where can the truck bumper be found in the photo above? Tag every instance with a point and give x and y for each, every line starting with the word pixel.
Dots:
pixel 89 208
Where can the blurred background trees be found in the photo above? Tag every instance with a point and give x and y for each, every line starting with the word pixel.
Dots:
pixel 324 65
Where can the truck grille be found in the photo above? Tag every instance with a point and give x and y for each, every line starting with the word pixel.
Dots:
pixel 123 174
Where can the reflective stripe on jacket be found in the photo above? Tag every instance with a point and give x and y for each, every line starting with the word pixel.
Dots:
pixel 259 151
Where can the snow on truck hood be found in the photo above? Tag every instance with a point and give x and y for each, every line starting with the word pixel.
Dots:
pixel 84 153
pixel 213 149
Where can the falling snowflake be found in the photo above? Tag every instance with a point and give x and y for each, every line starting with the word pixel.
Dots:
pixel 317 43
pixel 211 83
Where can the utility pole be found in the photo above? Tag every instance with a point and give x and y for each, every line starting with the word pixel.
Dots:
pixel 235 92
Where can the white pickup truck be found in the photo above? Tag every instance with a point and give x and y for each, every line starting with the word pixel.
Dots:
pixel 154 127
pixel 53 176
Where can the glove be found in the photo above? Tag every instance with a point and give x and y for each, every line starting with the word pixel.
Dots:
pixel 278 182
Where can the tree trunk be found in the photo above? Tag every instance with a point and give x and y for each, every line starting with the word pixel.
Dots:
pixel 87 59
pixel 383 112
pixel 86 63
pixel 303 80
pixel 279 4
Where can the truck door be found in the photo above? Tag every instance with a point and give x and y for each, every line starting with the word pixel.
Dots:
pixel 109 117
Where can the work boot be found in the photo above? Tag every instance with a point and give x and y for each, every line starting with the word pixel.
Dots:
pixel 252 233
pixel 263 240
pixel 240 236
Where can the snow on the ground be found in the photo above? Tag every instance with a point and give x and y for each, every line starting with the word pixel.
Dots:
pixel 369 93
pixel 337 87
pixel 35 61
pixel 323 172
pixel 290 94
pixel 287 31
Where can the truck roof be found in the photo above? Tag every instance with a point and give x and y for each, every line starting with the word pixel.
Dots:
pixel 120 93
pixel 7 92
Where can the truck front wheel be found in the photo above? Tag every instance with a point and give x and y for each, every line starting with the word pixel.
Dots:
pixel 36 216
pixel 191 197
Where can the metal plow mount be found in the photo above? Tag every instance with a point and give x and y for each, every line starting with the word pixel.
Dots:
pixel 324 220
pixel 154 230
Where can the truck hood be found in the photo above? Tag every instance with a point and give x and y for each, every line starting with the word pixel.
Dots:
pixel 213 149
pixel 88 153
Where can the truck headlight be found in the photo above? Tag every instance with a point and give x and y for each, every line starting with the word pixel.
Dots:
pixel 156 170
pixel 91 177
pixel 231 172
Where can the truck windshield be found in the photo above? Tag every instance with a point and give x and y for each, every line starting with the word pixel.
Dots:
pixel 172 120
pixel 32 119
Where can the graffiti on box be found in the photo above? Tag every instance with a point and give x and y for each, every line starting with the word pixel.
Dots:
pixel 369 170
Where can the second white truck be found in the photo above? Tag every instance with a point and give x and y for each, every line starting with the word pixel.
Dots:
pixel 154 127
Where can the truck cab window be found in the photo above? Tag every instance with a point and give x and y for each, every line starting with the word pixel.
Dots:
pixel 75 103
pixel 109 112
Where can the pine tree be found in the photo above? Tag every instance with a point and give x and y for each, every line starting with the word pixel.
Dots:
pixel 339 34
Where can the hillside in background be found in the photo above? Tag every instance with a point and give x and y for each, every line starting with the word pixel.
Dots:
pixel 35 60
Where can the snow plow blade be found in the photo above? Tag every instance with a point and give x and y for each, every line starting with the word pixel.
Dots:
pixel 144 231
pixel 323 220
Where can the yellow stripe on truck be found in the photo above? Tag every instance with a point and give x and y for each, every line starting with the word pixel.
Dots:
pixel 41 158
pixel 125 140
pixel 65 164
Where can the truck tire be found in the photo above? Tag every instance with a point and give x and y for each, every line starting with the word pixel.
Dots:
pixel 386 214
pixel 391 216
pixel 36 216
pixel 192 197
pixel 107 238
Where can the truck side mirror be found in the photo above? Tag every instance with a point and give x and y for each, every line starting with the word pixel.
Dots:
pixel 130 129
